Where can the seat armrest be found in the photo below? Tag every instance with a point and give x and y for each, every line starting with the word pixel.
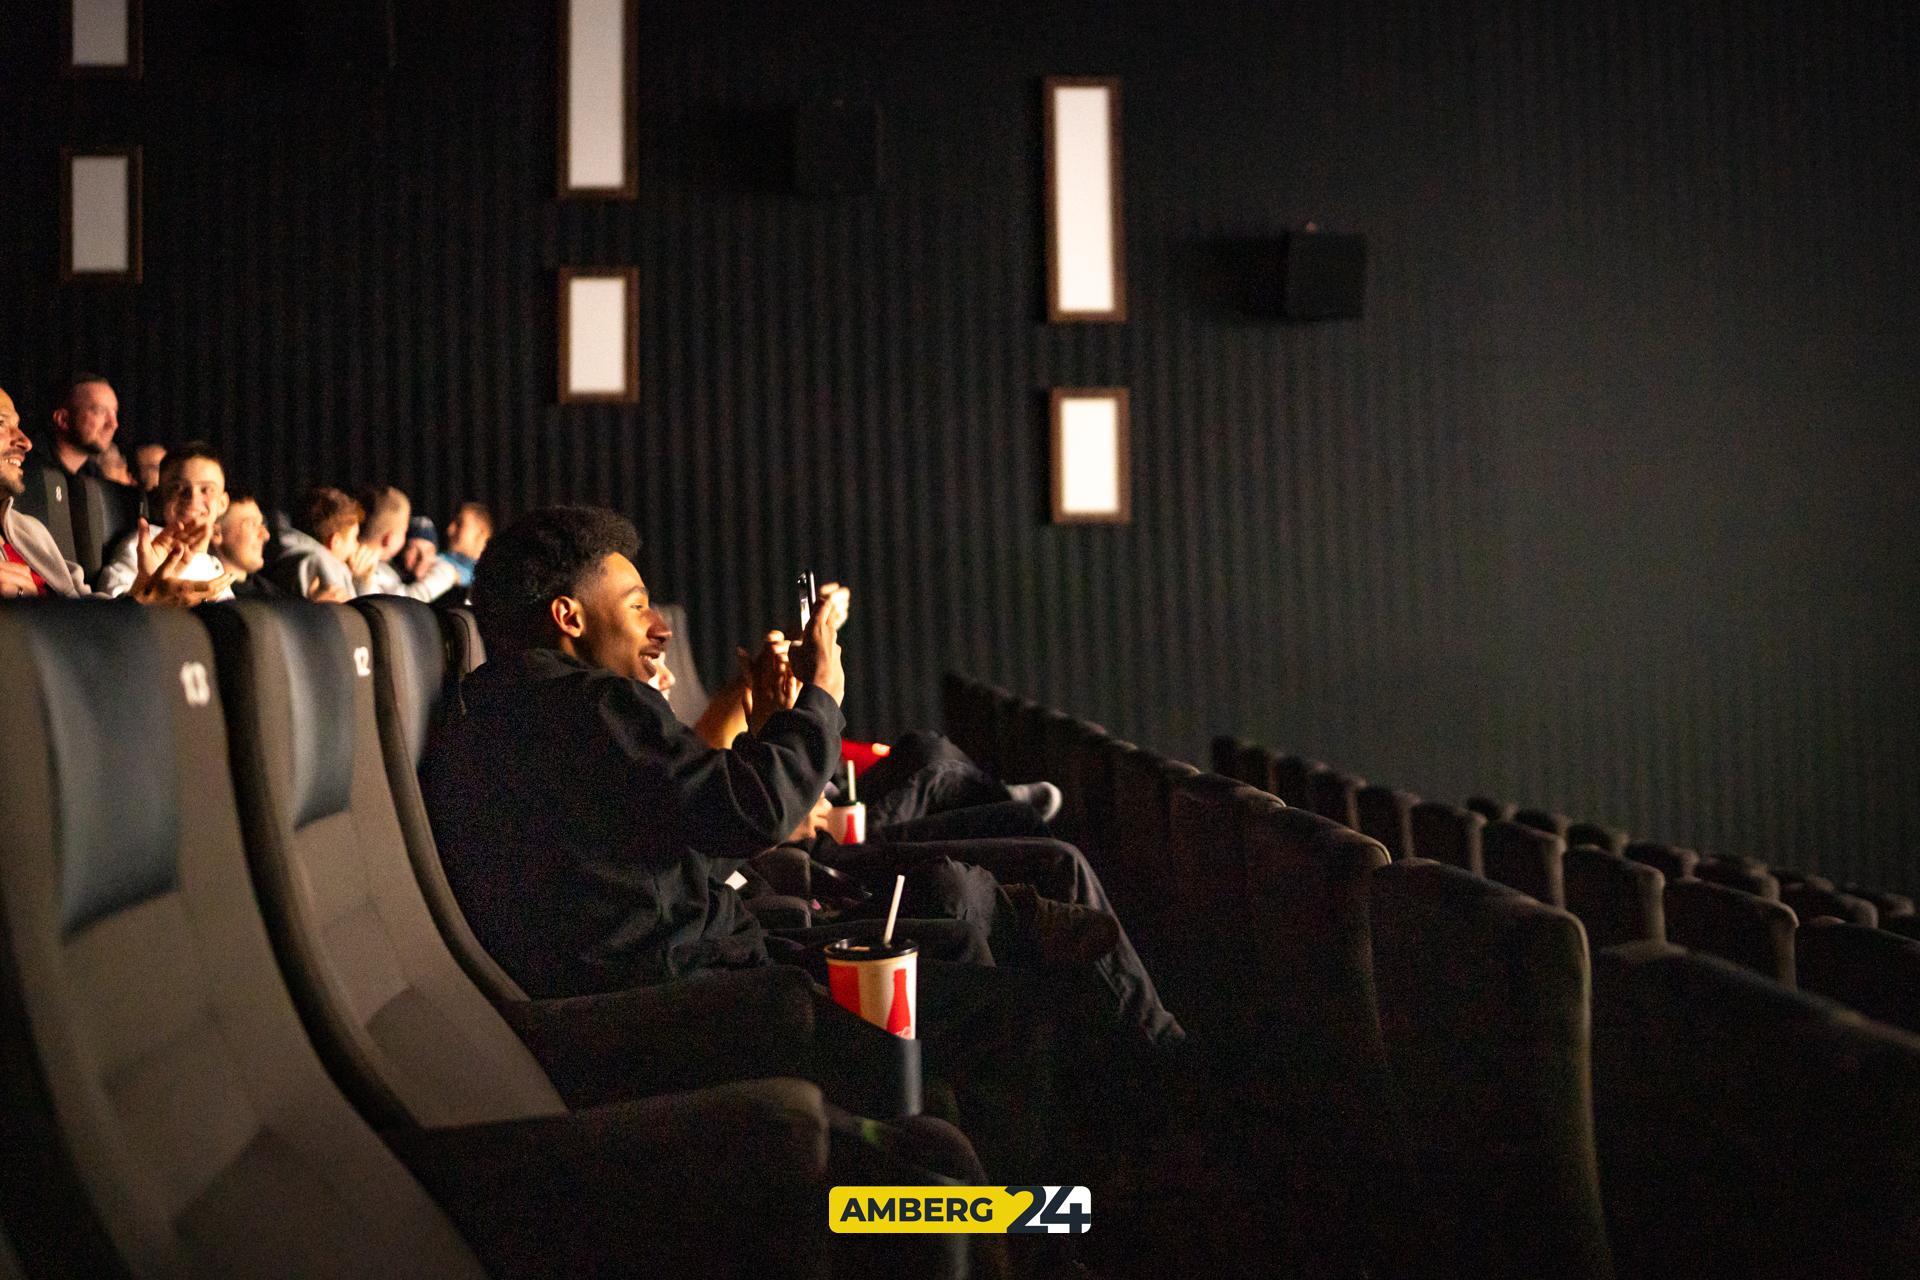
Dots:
pixel 700 1031
pixel 726 1181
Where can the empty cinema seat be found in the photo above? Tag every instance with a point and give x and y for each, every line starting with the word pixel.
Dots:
pixel 1525 858
pixel 1617 899
pixel 1599 836
pixel 1239 759
pixel 1319 1032
pixel 165 1114
pixel 1450 834
pixel 1869 970
pixel 1810 901
pixel 728 1026
pixel 1336 795
pixel 407 1034
pixel 1740 927
pixel 1207 815
pixel 1483 996
pixel 1669 860
pixel 1140 885
pixel 466 651
pixel 1746 1131
pixel 1290 775
pixel 1493 810
pixel 1387 816
pixel 1743 874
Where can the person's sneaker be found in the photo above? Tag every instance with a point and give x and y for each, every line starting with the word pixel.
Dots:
pixel 1060 933
pixel 1043 796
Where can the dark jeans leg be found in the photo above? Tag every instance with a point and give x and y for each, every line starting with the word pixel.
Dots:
pixel 925 774
pixel 1057 870
pixel 1003 819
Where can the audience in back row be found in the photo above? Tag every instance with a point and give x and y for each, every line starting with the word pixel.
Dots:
pixel 65 485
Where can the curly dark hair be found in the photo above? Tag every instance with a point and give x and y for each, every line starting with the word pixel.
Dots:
pixel 546 553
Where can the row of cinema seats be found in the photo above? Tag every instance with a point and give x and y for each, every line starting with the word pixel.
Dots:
pixel 1449 1081
pixel 1626 890
pixel 86 515
pixel 235 1043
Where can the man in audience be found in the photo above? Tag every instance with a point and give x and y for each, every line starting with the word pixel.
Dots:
pixel 389 514
pixel 467 535
pixel 30 560
pixel 322 558
pixel 66 471
pixel 193 498
pixel 240 540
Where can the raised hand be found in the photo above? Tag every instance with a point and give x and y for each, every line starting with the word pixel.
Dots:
pixel 361 563
pixel 320 591
pixel 817 661
pixel 770 685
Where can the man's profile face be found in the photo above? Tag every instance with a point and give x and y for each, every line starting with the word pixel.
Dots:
pixel 195 490
pixel 467 536
pixel 387 532
pixel 90 418
pixel 622 631
pixel 13 449
pixel 241 537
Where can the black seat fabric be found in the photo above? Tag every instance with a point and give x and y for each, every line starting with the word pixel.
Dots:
pixel 1387 816
pixel 1670 861
pixel 1555 824
pixel 1526 858
pixel 1809 901
pixel 1290 775
pixel 466 651
pixel 1207 816
pixel 1336 795
pixel 1449 834
pixel 965 715
pixel 1733 925
pixel 1307 880
pixel 103 514
pixel 1142 889
pixel 1866 969
pixel 1493 810
pixel 1743 874
pixel 1484 1011
pixel 1612 839
pixel 165 1114
pixel 49 499
pixel 1749 1132
pixel 1618 900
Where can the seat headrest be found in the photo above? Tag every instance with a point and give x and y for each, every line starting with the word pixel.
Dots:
pixel 320 671
pixel 413 663
pixel 108 702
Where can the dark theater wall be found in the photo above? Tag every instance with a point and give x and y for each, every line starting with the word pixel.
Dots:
pixel 1606 505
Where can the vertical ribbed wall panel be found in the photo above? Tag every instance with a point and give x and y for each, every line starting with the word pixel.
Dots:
pixel 1606 505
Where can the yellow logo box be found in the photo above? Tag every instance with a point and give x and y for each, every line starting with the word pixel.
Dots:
pixel 952 1210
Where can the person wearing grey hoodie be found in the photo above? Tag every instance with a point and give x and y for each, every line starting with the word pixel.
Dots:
pixel 321 557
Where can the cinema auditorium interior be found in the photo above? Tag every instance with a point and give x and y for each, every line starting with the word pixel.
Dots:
pixel 1030 641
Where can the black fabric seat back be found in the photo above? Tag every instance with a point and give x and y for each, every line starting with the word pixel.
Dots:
pixel 1670 861
pixel 1336 795
pixel 1484 1008
pixel 1387 816
pixel 1599 836
pixel 1290 777
pixel 1809 901
pixel 1743 874
pixel 1618 900
pixel 466 651
pixel 103 514
pixel 1143 783
pixel 1493 810
pixel 1526 858
pixel 1203 973
pixel 1891 906
pixel 1869 970
pixel 1750 1132
pixel 413 686
pixel 49 499
pixel 165 1114
pixel 1447 833
pixel 1239 759
pixel 1734 925
pixel 1318 1027
pixel 406 1032
pixel 1554 824
pixel 1087 790
pixel 963 714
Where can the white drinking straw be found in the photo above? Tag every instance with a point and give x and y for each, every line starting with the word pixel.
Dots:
pixel 893 912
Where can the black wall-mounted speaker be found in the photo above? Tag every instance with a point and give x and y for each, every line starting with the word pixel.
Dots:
pixel 836 147
pixel 1325 276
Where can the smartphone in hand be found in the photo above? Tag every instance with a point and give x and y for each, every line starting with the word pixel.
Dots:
pixel 808 590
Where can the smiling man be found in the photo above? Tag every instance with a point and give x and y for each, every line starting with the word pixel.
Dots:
pixel 30 560
pixel 193 496
pixel 587 833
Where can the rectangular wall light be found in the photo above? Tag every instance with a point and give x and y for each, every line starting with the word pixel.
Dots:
pixel 597 152
pixel 100 215
pixel 103 37
pixel 1092 480
pixel 599 321
pixel 1086 274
